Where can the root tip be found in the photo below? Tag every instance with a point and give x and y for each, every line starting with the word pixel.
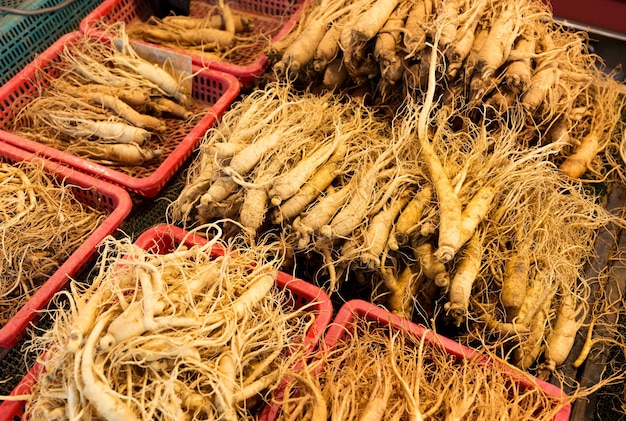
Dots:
pixel 442 280
pixel 107 342
pixel 444 254
pixel 326 231
pixel 456 312
pixel 276 201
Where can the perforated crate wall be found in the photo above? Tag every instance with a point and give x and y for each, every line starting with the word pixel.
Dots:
pixel 23 37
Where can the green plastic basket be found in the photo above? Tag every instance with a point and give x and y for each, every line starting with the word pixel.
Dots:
pixel 23 37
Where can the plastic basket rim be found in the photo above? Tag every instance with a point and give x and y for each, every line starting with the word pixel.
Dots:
pixel 245 73
pixel 148 186
pixel 11 332
pixel 357 308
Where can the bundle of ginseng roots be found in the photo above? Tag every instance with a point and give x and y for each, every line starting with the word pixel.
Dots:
pixel 183 335
pixel 376 373
pixel 489 57
pixel 432 215
pixel 107 104
pixel 216 35
pixel 42 224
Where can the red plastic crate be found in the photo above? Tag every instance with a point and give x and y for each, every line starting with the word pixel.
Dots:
pixel 361 309
pixel 272 19
pixel 163 239
pixel 113 200
pixel 213 89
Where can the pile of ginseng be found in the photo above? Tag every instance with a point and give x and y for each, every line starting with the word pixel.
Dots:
pixel 108 104
pixel 490 57
pixel 216 35
pixel 183 335
pixel 435 216
pixel 486 51
pixel 375 373
pixel 42 224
